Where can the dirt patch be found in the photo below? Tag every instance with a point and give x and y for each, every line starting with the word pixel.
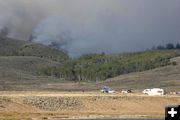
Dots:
pixel 54 103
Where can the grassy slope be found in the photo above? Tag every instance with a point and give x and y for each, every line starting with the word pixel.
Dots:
pixel 18 72
pixel 20 62
pixel 167 77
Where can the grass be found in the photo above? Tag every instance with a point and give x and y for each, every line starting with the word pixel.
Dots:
pixel 92 104
pixel 21 63
pixel 20 72
pixel 167 77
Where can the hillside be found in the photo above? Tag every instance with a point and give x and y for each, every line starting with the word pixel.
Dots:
pixel 30 66
pixel 167 77
pixel 21 62
pixel 98 67
pixel 12 47
pixel 17 71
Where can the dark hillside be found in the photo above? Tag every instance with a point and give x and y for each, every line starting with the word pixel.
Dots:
pixel 12 47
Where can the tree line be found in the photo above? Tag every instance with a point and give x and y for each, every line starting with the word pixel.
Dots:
pixel 95 67
pixel 168 46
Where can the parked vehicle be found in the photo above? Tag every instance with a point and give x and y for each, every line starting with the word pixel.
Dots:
pixel 154 91
pixel 106 89
pixel 126 91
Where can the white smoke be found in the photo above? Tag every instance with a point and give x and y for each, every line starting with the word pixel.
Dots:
pixel 75 37
pixel 53 30
pixel 93 26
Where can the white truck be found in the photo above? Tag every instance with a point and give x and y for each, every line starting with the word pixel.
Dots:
pixel 154 92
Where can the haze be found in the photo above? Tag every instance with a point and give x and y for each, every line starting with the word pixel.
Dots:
pixel 93 26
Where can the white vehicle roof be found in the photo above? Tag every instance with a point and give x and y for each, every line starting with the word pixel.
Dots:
pixel 156 88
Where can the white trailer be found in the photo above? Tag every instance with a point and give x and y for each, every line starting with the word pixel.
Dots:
pixel 154 91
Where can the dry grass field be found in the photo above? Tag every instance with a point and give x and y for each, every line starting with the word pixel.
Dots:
pixel 46 105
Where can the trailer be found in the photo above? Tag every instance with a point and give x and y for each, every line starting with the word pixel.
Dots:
pixel 154 91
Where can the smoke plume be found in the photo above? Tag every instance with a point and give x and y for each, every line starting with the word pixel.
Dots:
pixel 91 26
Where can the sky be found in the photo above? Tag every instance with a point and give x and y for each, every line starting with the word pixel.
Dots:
pixel 93 26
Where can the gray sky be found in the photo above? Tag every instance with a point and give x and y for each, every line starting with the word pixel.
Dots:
pixel 88 26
